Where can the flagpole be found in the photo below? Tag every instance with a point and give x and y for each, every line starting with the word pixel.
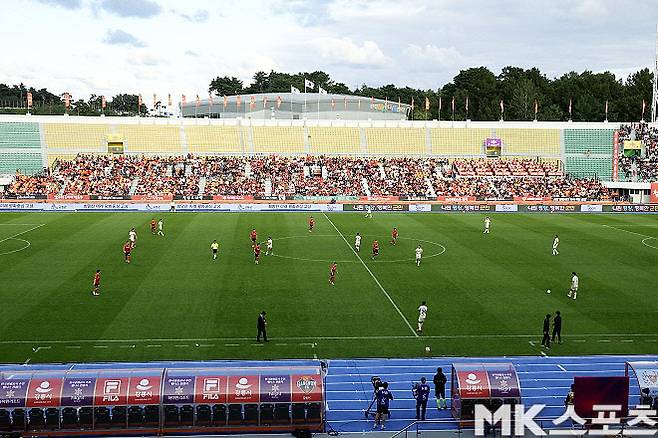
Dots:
pixel 304 97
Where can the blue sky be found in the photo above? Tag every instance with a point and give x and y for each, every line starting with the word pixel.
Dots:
pixel 166 46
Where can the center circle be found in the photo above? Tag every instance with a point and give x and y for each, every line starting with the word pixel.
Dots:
pixel 23 245
pixel 358 260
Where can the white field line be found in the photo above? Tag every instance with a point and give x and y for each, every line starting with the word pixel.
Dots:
pixel 406 321
pixel 644 241
pixel 22 232
pixel 652 337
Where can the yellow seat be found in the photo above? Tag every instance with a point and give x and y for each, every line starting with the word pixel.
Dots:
pixel 214 139
pixel 76 136
pixel 330 140
pixel 530 141
pixel 398 141
pixel 153 139
pixel 278 139
pixel 458 141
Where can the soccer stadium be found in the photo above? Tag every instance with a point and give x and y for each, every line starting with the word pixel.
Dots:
pixel 291 255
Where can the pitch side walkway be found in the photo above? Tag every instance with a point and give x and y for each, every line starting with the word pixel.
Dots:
pixel 349 390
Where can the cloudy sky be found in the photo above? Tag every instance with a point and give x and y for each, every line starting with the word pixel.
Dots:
pixel 169 46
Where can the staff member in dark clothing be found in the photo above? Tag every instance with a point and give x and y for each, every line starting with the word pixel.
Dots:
pixel 262 327
pixel 546 340
pixel 422 393
pixel 440 380
pixel 557 327
pixel 383 396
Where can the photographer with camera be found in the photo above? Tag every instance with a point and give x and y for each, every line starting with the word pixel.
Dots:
pixel 383 397
pixel 421 393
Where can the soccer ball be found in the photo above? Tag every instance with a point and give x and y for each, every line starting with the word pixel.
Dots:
pixel 428 349
pixel 548 291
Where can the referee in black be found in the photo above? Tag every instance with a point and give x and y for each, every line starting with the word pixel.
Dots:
pixel 546 339
pixel 557 327
pixel 262 327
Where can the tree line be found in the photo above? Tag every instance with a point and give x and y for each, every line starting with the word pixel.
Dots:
pixel 475 93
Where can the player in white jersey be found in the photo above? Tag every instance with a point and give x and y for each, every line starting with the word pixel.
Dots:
pixel 419 255
pixel 214 246
pixel 573 292
pixel 487 225
pixel 269 250
pixel 160 228
pixel 556 243
pixel 422 314
pixel 368 211
pixel 132 236
pixel 357 242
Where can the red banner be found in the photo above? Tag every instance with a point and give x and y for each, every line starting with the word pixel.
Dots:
pixel 44 392
pixel 232 198
pixel 68 197
pixel 243 389
pixel 455 198
pixel 473 384
pixel 531 199
pixel 152 198
pixel 306 388
pixel 379 198
pixel 144 390
pixel 654 193
pixel 615 155
pixel 29 99
pixel 111 391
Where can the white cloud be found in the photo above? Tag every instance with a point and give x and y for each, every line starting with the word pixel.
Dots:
pixel 434 55
pixel 131 8
pixel 120 37
pixel 344 50
pixel 377 10
pixel 585 10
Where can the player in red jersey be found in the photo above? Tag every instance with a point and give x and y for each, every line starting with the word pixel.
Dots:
pixel 332 273
pixel 153 224
pixel 256 252
pixel 311 224
pixel 394 236
pixel 375 249
pixel 127 248
pixel 97 283
pixel 253 235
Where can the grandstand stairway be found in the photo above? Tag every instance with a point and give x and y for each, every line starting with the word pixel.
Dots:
pixel 366 187
pixel 430 188
pixel 267 187
pixel 133 186
pixel 202 185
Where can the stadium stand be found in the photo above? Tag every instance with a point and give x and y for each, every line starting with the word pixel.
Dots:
pixel 25 163
pixel 643 168
pixel 334 140
pixel 278 139
pixel 588 141
pixel 19 135
pixel 589 167
pixel 214 139
pixel 458 141
pixel 396 141
pixel 530 141
pixel 152 139
pixel 76 136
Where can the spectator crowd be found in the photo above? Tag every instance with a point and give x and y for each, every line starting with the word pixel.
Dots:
pixel 640 167
pixel 273 175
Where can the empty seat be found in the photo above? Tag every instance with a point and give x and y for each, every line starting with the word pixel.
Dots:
pixel 52 418
pixel 313 413
pixel 119 416
pixel 234 414
pixel 36 419
pixel 266 413
pixel 298 413
pixel 5 419
pixel 186 415
pixel 18 419
pixel 69 418
pixel 151 415
pixel 171 415
pixel 86 417
pixel 203 415
pixel 219 415
pixel 251 414
pixel 282 413
pixel 135 416
pixel 101 418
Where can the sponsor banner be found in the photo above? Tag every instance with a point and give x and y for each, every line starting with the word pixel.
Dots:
pixel 615 156
pixel 494 199
pixel 26 197
pixel 503 384
pixel 634 208
pixel 473 384
pixel 420 207
pixel 541 208
pixel 273 198
pixel 109 198
pixel 194 206
pixel 108 206
pixel 144 390
pixel 78 391
pixel 456 198
pixel 570 199
pixel 44 392
pixel 306 388
pixel 325 198
pixel 654 193
pixel 243 389
pixel 59 206
pixel 531 199
pixel 210 389
pixel 153 198
pixel 507 208
pixel 462 208
pixel 376 207
pixel 178 389
pixel 20 206
pixel 193 198
pixel 591 208
pixel 69 197
pixel 275 389
pixel 416 198
pixel 493 142
pixel 379 198
pixel 232 198
pixel 111 391
pixel 13 393
pixel 647 376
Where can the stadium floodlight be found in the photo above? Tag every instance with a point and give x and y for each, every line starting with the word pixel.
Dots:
pixel 654 99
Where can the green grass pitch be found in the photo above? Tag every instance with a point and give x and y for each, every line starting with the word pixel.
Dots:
pixel 486 293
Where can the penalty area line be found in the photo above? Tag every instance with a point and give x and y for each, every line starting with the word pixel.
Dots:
pixel 404 318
